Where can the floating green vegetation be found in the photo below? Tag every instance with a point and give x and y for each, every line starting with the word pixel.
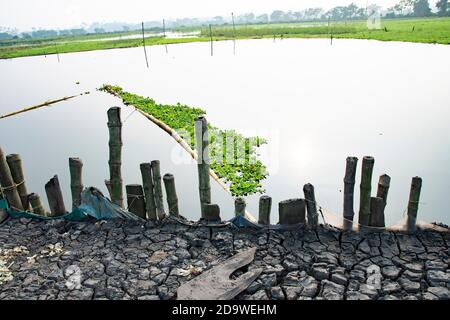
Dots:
pixel 234 157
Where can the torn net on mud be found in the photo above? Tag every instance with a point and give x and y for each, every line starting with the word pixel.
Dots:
pixel 93 204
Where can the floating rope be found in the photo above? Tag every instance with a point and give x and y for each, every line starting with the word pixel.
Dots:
pixel 14 185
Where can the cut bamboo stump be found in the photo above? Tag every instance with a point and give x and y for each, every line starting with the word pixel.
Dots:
pixel 212 213
pixel 377 206
pixel 147 183
pixel 292 211
pixel 171 193
pixel 36 204
pixel 15 165
pixel 365 189
pixel 349 190
pixel 55 197
pixel 239 207
pixel 413 204
pixel 265 206
pixel 8 185
pixel 135 200
pixel 157 189
pixel 202 145
pixel 383 187
pixel 115 155
pixel 76 181
pixel 311 205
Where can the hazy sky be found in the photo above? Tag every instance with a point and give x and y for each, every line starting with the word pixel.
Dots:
pixel 25 14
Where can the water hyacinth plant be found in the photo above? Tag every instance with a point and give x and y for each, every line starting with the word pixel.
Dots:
pixel 233 157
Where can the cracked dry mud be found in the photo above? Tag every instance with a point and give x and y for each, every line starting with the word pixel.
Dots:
pixel 125 260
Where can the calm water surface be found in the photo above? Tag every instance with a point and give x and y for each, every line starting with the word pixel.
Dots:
pixel 315 103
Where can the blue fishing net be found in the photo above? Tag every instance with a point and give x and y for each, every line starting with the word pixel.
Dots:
pixel 93 205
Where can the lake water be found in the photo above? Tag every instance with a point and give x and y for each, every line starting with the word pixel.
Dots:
pixel 315 103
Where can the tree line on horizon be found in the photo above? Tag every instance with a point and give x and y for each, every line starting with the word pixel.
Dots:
pixel 403 9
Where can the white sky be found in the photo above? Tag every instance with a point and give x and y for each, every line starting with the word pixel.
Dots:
pixel 26 14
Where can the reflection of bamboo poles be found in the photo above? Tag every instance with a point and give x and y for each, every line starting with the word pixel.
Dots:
pixel 193 153
pixel 211 36
pixel 143 42
pixel 48 103
pixel 234 34
pixel 164 34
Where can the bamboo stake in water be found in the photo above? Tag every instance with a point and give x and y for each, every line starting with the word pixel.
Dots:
pixel 292 211
pixel 239 207
pixel 57 53
pixel 212 212
pixel 365 190
pixel 413 204
pixel 115 155
pixel 265 206
pixel 36 204
pixel 8 185
pixel 377 206
pixel 147 183
pixel 143 42
pixel 210 35
pixel 15 165
pixel 349 189
pixel 135 200
pixel 383 187
pixel 76 181
pixel 171 193
pixel 202 144
pixel 164 34
pixel 55 197
pixel 156 174
pixel 311 206
pixel 234 34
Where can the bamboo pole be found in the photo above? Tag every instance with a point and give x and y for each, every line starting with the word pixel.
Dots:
pixel 147 183
pixel 212 213
pixel 135 200
pixel 8 185
pixel 265 206
pixel 15 165
pixel 55 197
pixel 234 34
pixel 171 193
pixel 311 205
pixel 164 34
pixel 48 103
pixel 413 203
pixel 377 206
pixel 383 187
pixel 143 42
pixel 202 143
pixel 210 35
pixel 157 189
pixel 292 211
pixel 239 207
pixel 115 155
pixel 36 204
pixel 76 181
pixel 349 189
pixel 365 189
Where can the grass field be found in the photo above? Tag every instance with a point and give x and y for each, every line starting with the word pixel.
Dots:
pixel 429 30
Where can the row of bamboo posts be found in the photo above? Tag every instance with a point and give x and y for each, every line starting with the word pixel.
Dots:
pixel 146 200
